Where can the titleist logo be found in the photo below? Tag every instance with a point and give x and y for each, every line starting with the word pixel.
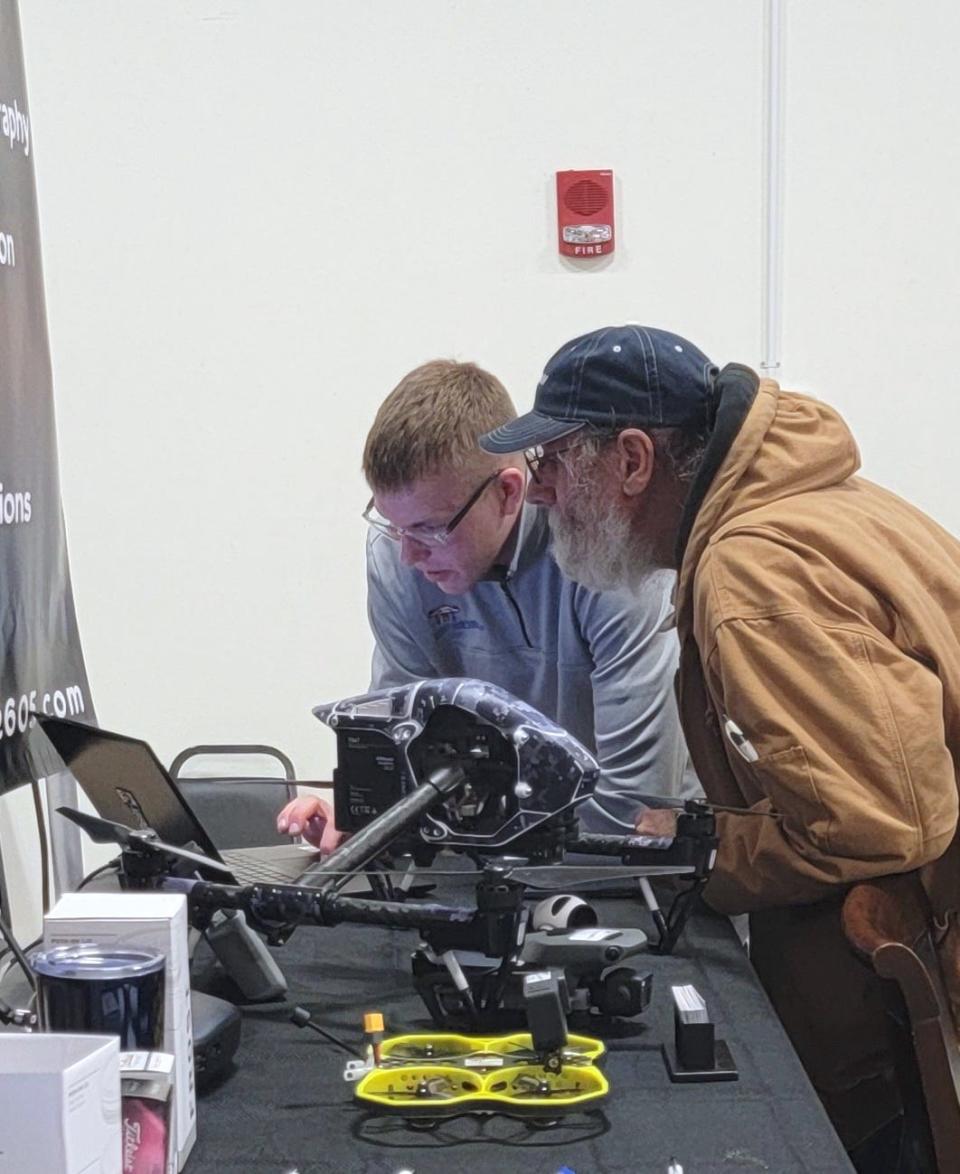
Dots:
pixel 131 1143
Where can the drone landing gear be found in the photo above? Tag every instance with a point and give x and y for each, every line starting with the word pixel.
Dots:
pixel 479 998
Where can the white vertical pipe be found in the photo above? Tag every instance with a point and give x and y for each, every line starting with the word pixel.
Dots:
pixel 66 849
pixel 773 168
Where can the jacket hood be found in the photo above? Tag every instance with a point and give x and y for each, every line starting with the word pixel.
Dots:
pixel 786 444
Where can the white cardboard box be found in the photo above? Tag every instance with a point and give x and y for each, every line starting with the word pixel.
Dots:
pixel 159 921
pixel 59 1104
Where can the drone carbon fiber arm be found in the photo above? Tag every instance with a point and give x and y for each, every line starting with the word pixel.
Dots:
pixel 691 851
pixel 293 905
pixel 278 909
pixel 377 836
pixel 493 925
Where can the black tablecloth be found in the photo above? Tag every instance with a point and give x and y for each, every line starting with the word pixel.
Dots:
pixel 285 1105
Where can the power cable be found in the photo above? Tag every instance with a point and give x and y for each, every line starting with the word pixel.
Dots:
pixel 18 953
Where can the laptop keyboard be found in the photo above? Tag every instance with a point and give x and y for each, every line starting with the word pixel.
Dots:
pixel 260 866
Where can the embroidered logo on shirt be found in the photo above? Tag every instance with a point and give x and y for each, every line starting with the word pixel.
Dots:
pixel 443 615
pixel 444 619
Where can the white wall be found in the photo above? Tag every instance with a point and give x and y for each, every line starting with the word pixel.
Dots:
pixel 872 232
pixel 258 215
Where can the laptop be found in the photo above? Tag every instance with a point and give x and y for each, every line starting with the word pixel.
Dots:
pixel 127 783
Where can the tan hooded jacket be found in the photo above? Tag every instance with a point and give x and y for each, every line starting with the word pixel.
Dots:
pixel 819 619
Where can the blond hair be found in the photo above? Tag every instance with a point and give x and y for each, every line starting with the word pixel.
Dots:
pixel 431 421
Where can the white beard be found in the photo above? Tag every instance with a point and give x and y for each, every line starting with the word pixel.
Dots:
pixel 595 545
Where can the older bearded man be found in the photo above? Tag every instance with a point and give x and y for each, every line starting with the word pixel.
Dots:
pixel 819 680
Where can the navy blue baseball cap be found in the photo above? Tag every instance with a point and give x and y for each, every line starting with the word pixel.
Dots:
pixel 617 377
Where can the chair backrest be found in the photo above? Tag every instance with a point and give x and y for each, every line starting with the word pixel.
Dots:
pixel 888 922
pixel 237 807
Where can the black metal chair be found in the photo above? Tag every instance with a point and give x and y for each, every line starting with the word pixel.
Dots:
pixel 238 809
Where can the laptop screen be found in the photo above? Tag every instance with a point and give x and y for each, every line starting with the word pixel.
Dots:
pixel 126 782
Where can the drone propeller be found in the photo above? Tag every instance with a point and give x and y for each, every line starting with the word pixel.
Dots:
pixel 431 1088
pixel 546 877
pixel 141 842
pixel 529 1085
pixel 448 1052
pixel 571 876
pixel 569 1054
pixel 403 1054
pixel 655 802
pixel 535 877
pixel 101 831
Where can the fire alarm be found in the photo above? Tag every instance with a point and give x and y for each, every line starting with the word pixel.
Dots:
pixel 585 213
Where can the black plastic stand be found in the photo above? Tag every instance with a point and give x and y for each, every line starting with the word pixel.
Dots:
pixel 695 1054
pixel 723 1067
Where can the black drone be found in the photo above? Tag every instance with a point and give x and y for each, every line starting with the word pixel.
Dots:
pixel 457 764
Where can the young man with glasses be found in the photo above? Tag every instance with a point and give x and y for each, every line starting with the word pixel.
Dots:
pixel 461 582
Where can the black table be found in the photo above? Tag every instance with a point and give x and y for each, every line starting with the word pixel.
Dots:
pixel 286 1107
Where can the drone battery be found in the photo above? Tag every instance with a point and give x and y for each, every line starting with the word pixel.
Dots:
pixel 369 777
pixel 545 996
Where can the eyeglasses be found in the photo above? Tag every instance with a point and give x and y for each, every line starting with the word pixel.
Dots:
pixel 427 535
pixel 536 458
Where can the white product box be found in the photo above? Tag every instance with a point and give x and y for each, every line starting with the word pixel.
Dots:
pixel 59 1104
pixel 159 921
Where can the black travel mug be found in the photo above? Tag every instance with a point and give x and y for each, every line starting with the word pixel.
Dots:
pixel 103 990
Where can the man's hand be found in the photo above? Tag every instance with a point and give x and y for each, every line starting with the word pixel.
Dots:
pixel 313 819
pixel 657 821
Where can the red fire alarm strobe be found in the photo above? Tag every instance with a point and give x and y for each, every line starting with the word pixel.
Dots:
pixel 585 213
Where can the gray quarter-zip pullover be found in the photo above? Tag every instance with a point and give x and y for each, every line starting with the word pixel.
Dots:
pixel 601 665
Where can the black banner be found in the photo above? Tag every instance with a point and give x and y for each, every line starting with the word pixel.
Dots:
pixel 42 666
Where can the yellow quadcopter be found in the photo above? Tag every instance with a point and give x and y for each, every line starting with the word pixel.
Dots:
pixel 425 1078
